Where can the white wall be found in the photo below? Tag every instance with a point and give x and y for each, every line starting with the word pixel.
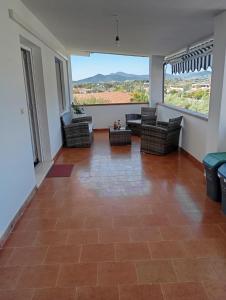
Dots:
pixel 156 79
pixel 216 140
pixel 17 178
pixel 194 131
pixel 105 115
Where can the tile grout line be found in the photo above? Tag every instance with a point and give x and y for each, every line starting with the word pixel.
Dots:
pixel 205 290
pixel 58 275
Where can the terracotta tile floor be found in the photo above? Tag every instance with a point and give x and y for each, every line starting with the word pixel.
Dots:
pixel 124 226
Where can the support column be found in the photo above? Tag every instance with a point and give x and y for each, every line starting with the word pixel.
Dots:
pixel 216 129
pixel 156 74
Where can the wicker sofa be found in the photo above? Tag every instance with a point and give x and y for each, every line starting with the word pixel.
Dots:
pixel 134 121
pixel 162 138
pixel 77 132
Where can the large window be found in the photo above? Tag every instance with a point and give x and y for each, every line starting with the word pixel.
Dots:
pixel 110 79
pixel 188 90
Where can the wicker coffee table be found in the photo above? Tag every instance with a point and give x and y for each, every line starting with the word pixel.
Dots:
pixel 119 137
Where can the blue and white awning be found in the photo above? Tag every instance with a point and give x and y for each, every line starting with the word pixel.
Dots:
pixel 196 58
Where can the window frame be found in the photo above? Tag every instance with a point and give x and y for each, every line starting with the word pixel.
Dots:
pixel 61 98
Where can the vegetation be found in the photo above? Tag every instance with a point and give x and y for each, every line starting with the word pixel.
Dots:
pixel 190 91
pixel 192 94
pixel 130 91
pixel 93 100
pixel 140 96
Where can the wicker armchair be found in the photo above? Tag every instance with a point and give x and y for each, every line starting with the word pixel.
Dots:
pixel 77 132
pixel 161 139
pixel 134 121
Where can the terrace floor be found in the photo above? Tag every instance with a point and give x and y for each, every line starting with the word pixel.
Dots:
pixel 124 226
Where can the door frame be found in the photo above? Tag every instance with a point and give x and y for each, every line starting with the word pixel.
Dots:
pixel 33 122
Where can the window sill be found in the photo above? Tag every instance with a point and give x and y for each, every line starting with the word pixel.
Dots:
pixel 134 103
pixel 185 111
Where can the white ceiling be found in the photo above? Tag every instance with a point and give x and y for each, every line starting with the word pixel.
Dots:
pixel 146 26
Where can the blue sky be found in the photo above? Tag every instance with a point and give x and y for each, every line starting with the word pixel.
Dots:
pixel 83 67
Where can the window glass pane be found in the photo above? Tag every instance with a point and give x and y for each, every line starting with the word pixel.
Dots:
pixel 188 90
pixel 110 79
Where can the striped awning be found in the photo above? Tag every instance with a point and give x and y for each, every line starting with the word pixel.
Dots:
pixel 193 59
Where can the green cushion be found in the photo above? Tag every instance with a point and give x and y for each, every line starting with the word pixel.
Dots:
pixel 222 170
pixel 214 160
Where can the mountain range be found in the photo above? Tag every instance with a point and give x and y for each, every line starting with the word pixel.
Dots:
pixel 189 76
pixel 117 77
pixel 121 77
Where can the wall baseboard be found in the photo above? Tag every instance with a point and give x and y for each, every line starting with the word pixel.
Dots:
pixel 17 217
pixel 193 159
pixel 57 154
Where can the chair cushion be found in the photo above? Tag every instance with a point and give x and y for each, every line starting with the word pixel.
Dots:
pixel 90 127
pixel 134 122
pixel 66 118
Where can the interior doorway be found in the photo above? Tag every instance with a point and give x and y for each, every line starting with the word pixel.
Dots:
pixel 31 103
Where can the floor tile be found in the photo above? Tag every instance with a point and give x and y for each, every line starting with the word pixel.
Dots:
pixel 26 294
pixel 78 237
pixel 98 222
pixel 114 273
pixel 222 227
pixel 141 292
pixel 184 291
pixel 155 271
pixel 97 293
pixel 21 239
pixel 216 290
pixel 5 255
pixel 9 277
pixel 132 251
pixel 40 224
pixel 154 220
pixel 194 269
pixel 206 248
pixel 38 277
pixel 145 234
pixel 70 223
pixel 219 266
pixel 54 294
pixel 97 253
pixel 113 235
pixel 174 233
pixel 51 238
pixel 167 250
pixel 206 231
pixel 27 256
pixel 127 221
pixel 63 255
pixel 82 274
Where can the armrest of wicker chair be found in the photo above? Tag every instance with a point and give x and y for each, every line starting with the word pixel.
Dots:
pixel 162 124
pixel 82 119
pixel 78 129
pixel 152 130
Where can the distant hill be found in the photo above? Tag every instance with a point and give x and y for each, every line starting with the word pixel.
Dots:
pixel 189 76
pixel 117 77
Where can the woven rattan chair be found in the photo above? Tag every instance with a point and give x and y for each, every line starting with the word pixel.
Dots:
pixel 134 121
pixel 161 139
pixel 77 132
